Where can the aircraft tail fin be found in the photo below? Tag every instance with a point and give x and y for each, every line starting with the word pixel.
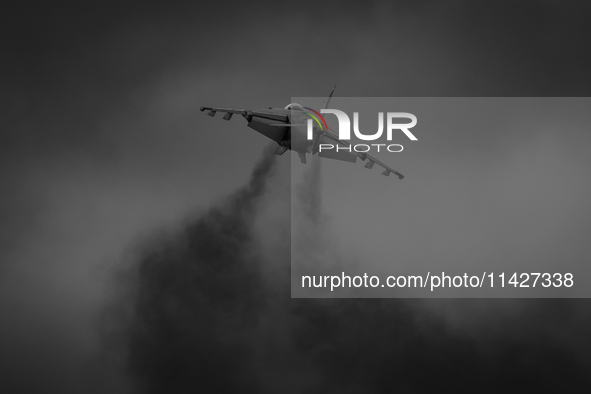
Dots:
pixel 329 97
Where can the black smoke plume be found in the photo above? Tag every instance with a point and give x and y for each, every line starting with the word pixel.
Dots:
pixel 198 297
pixel 207 318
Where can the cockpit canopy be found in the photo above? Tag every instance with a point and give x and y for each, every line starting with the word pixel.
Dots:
pixel 294 107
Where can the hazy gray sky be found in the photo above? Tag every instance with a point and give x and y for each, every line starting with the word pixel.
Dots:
pixel 102 142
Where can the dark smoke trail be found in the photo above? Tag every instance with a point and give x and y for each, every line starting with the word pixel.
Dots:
pixel 310 243
pixel 207 319
pixel 199 295
pixel 309 193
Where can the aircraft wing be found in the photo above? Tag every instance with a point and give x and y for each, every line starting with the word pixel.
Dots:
pixel 364 156
pixel 248 114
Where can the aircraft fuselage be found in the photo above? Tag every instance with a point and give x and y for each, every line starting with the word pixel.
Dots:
pixel 291 136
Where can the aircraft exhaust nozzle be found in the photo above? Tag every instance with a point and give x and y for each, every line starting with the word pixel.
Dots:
pixel 211 113
pixel 369 164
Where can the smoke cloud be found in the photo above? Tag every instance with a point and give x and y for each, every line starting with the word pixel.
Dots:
pixel 207 317
pixel 198 295
pixel 99 144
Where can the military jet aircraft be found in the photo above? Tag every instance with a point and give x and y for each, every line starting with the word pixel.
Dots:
pixel 288 128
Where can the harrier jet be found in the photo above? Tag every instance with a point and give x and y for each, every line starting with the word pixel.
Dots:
pixel 288 128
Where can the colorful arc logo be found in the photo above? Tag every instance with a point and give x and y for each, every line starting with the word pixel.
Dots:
pixel 316 119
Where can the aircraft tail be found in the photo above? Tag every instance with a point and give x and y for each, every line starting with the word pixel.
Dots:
pixel 329 97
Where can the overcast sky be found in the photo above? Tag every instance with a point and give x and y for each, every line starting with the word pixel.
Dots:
pixel 102 143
